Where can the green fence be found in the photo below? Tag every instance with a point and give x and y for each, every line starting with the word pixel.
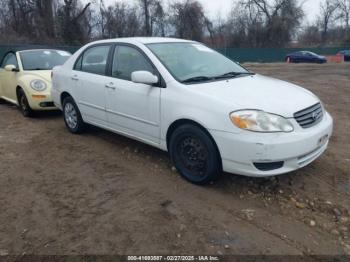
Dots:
pixel 263 55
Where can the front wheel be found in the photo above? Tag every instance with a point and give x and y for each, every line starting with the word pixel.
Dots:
pixel 23 104
pixel 72 117
pixel 195 155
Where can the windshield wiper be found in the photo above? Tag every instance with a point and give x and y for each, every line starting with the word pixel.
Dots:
pixel 197 79
pixel 233 74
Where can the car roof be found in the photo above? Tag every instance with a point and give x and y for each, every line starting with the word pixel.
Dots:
pixel 145 40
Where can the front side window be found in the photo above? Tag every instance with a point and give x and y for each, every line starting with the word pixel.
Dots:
pixel 127 60
pixel 10 59
pixel 43 59
pixel 194 61
pixel 94 60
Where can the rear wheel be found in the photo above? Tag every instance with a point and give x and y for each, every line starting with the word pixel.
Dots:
pixel 23 104
pixel 194 154
pixel 72 117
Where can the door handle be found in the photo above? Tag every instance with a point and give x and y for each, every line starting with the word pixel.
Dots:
pixel 75 78
pixel 110 86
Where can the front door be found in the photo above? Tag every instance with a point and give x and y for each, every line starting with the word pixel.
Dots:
pixel 8 79
pixel 133 109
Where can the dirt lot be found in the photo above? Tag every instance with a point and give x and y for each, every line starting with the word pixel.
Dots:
pixel 100 193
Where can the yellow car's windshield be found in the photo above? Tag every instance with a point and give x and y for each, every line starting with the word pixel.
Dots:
pixel 43 59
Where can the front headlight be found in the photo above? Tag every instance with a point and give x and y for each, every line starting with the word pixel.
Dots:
pixel 38 85
pixel 260 121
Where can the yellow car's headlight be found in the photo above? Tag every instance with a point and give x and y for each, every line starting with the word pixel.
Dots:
pixel 38 85
pixel 260 121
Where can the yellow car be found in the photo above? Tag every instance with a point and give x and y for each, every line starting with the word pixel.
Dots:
pixel 25 78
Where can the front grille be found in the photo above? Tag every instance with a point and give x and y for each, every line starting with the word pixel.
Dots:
pixel 310 116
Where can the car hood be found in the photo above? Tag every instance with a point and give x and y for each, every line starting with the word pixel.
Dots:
pixel 259 92
pixel 43 74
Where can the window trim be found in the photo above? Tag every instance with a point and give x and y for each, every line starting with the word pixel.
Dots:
pixel 111 47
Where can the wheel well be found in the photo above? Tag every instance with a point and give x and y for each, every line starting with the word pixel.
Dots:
pixel 181 122
pixel 64 95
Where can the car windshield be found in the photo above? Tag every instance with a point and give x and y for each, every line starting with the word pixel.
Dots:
pixel 194 62
pixel 43 59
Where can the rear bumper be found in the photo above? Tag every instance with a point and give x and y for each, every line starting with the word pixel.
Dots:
pixel 241 152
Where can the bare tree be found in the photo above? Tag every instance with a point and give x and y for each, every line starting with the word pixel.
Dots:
pixel 344 12
pixel 120 20
pixel 273 22
pixel 159 20
pixel 72 22
pixel 310 36
pixel 188 19
pixel 145 6
pixel 154 21
pixel 327 16
pixel 44 8
pixel 251 23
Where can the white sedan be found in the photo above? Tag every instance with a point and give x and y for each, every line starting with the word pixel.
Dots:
pixel 208 112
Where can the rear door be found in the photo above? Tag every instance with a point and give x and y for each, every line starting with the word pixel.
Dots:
pixel 89 75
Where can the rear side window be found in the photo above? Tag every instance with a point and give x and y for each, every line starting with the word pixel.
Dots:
pixel 94 60
pixel 127 60
pixel 10 59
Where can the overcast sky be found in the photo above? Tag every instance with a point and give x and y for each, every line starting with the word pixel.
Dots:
pixel 213 7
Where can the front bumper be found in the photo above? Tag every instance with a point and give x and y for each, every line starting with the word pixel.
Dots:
pixel 41 101
pixel 240 151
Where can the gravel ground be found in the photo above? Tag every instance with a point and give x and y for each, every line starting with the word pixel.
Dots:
pixel 100 193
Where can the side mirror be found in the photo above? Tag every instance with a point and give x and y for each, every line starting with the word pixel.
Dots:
pixel 144 77
pixel 11 68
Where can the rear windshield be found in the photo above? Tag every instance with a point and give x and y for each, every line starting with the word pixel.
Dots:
pixel 43 59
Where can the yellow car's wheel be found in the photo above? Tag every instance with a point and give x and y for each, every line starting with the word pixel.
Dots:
pixel 23 104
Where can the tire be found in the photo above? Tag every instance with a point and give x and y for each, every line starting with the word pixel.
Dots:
pixel 72 117
pixel 195 155
pixel 23 104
